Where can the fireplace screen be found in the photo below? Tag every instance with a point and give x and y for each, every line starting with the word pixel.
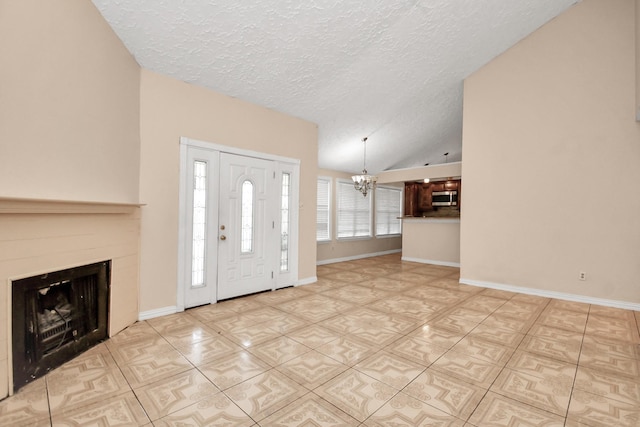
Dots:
pixel 57 316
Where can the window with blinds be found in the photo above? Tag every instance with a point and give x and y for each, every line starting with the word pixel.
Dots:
pixel 388 211
pixel 323 230
pixel 354 212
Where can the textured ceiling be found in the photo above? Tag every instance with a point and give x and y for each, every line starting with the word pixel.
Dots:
pixel 388 70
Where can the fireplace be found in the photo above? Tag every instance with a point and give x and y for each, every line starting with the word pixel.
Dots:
pixel 56 316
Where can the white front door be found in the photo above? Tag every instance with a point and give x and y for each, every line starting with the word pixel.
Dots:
pixel 239 224
pixel 246 230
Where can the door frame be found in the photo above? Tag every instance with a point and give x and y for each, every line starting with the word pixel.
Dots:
pixel 282 165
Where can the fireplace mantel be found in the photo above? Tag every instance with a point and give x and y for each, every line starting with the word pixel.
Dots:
pixel 14 205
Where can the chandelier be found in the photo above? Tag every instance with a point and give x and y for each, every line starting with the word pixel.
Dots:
pixel 365 182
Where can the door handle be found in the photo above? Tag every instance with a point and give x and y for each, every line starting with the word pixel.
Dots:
pixel 223 237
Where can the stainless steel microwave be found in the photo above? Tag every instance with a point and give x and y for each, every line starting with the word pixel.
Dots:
pixel 444 198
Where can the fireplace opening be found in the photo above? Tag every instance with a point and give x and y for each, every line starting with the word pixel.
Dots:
pixel 56 316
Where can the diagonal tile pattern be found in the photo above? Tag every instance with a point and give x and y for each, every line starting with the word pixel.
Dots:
pixel 549 393
pixel 498 411
pixel 310 410
pixel 218 410
pixel 356 394
pixel 312 369
pixel 234 369
pixel 390 369
pixel 264 394
pixel 403 410
pixel 28 407
pixel 446 393
pixel 170 395
pixel 375 342
pixel 77 384
pixel 122 410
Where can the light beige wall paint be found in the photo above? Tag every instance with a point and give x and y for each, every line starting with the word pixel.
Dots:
pixel 69 123
pixel 435 241
pixel 444 170
pixel 551 153
pixel 638 60
pixel 171 109
pixel 337 249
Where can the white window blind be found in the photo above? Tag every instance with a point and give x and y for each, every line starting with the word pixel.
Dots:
pixel 388 211
pixel 323 231
pixel 354 211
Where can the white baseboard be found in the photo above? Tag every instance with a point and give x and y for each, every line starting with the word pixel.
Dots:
pixel 146 315
pixel 432 261
pixel 354 257
pixel 306 281
pixel 553 294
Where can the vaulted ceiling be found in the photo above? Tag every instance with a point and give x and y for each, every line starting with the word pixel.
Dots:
pixel 391 71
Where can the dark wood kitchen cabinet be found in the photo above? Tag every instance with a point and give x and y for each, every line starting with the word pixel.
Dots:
pixel 411 195
pixel 436 186
pixel 451 185
pixel 425 197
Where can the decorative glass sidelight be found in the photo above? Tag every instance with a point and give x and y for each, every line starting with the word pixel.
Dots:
pixel 285 221
pixel 199 223
pixel 246 220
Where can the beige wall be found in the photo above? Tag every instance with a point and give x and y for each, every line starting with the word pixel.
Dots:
pixel 69 130
pixel 171 109
pixel 431 241
pixel 69 123
pixel 341 249
pixel 638 60
pixel 551 159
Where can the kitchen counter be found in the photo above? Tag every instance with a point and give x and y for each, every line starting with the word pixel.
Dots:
pixel 439 219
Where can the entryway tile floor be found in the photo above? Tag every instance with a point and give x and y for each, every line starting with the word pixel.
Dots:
pixel 375 342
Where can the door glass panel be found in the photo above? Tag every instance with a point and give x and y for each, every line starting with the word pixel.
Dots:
pixel 246 220
pixel 284 222
pixel 199 223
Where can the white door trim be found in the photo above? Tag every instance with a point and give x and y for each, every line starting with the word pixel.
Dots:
pixel 184 141
pixel 284 164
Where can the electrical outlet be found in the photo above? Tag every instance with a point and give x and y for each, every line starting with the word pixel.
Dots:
pixel 582 276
